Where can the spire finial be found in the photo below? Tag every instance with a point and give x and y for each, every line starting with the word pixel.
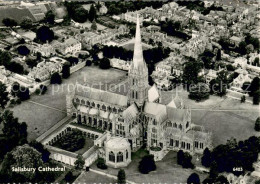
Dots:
pixel 138 51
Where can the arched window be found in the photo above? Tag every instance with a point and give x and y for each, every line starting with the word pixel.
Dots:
pixel 133 94
pixel 93 104
pixel 119 157
pixel 111 156
pixel 126 154
pixel 175 125
pixel 136 95
pixel 187 125
pixel 82 101
pixel 180 127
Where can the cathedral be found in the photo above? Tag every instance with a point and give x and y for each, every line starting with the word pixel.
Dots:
pixel 137 119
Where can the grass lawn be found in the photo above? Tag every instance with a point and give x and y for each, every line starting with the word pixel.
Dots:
pixel 40 117
pixel 167 170
pixel 92 177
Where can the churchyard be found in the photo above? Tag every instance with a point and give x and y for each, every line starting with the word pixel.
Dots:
pixel 41 112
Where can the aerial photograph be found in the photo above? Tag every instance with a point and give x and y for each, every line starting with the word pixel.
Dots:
pixel 130 92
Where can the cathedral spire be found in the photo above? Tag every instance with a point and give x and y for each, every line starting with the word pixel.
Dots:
pixel 138 58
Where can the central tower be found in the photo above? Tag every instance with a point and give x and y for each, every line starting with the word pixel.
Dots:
pixel 138 72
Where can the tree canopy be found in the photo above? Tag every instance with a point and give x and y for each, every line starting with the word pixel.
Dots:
pixel 3 95
pixel 147 164
pixel 44 34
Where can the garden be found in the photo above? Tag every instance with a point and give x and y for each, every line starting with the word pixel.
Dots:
pixel 73 140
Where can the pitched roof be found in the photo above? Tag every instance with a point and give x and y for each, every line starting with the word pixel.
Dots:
pixel 130 113
pixel 100 95
pixel 153 94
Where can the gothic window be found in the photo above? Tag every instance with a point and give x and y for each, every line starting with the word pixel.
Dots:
pixel 88 103
pixel 175 125
pixel 77 100
pixel 169 124
pixel 119 157
pixel 176 143
pixel 98 106
pixel 201 145
pixel 182 144
pixel 136 95
pixel 93 104
pixel 114 109
pixel 111 157
pixel 133 94
pixel 180 127
pixel 171 142
pixel 188 146
pixel 187 125
pixel 82 101
pixel 196 144
pixel 126 154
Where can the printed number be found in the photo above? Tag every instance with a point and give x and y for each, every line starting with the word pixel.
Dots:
pixel 237 169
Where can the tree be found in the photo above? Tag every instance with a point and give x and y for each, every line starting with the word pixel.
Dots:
pixel 27 157
pixel 9 22
pixel 243 99
pixel 101 163
pixel 191 72
pixel 242 48
pixel 3 95
pixel 256 97
pixel 206 158
pixel 65 71
pixel 218 57
pixel 5 58
pixel 23 50
pixel 49 17
pixel 199 92
pixel 69 177
pixel 80 15
pixel 39 147
pixel 255 85
pixel 104 63
pixel 31 62
pixel 94 25
pixel 147 164
pixel 56 78
pixel 180 157
pixel 121 178
pixel 92 13
pixel 44 34
pixel 26 23
pixel 193 179
pixel 80 162
pixel 257 124
pixel 213 173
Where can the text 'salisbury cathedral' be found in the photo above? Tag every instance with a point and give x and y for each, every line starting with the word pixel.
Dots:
pixel 136 119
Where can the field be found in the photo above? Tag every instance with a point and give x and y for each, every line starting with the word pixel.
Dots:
pixel 91 178
pixel 42 112
pixel 224 117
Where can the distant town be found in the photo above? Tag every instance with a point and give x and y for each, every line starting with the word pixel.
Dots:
pixel 130 92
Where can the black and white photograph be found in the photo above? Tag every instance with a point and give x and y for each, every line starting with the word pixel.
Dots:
pixel 130 92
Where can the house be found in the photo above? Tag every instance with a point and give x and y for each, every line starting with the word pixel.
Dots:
pixel 69 46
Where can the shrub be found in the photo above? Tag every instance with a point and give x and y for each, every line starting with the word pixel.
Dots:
pixel 147 164
pixel 193 179
pixel 101 163
pixel 56 78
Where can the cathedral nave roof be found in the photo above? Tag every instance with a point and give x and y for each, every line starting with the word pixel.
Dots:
pixel 100 95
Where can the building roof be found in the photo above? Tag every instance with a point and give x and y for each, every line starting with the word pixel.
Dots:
pixel 153 94
pixel 118 143
pixel 100 95
pixel 130 113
